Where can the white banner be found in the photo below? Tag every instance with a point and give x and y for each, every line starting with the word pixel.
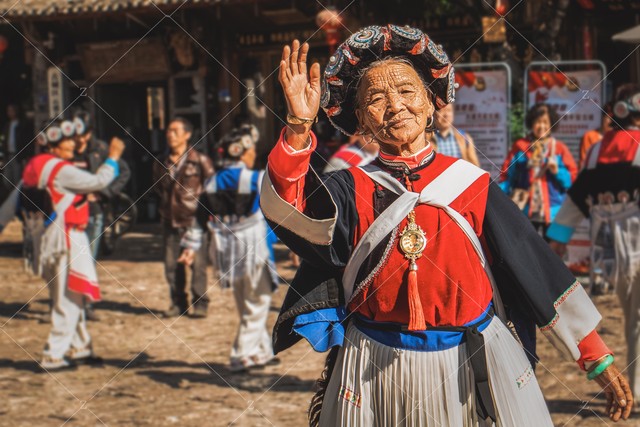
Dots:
pixel 573 96
pixel 482 107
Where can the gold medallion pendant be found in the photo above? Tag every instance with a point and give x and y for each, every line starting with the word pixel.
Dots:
pixel 412 240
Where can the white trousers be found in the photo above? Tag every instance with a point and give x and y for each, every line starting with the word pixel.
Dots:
pixel 253 299
pixel 376 385
pixel 68 323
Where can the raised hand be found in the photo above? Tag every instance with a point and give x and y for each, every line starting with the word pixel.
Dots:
pixel 301 90
pixel 116 147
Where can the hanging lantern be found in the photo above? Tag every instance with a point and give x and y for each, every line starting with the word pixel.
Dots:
pixel 330 21
pixel 502 6
pixel 4 45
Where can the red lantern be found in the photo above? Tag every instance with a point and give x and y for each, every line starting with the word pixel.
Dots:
pixel 502 6
pixel 330 21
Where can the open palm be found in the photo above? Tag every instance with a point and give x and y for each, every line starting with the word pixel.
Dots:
pixel 301 89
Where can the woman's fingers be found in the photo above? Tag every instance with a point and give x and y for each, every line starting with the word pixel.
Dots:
pixel 609 408
pixel 293 61
pixel 314 77
pixel 302 58
pixel 629 397
pixel 284 64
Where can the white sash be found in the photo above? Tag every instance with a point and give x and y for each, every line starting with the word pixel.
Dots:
pixel 441 192
pixel 54 242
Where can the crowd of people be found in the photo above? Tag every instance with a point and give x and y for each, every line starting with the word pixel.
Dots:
pixel 413 263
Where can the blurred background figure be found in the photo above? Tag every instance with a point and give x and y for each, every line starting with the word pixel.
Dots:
pixel 536 174
pixel 449 140
pixel 357 152
pixel 607 191
pixel 89 154
pixel 65 261
pixel 539 169
pixel 181 178
pixel 15 139
pixel 241 245
pixel 595 135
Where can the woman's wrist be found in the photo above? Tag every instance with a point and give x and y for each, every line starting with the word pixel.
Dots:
pixel 297 136
pixel 600 366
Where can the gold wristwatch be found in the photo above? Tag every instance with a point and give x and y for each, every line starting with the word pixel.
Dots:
pixel 295 120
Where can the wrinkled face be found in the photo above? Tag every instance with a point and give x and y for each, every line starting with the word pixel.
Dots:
pixel 177 136
pixel 541 127
pixel 444 118
pixel 393 104
pixel 65 149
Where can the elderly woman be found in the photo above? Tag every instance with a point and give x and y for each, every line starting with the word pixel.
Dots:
pixel 403 259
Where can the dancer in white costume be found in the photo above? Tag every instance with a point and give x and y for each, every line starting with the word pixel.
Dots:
pixel 241 245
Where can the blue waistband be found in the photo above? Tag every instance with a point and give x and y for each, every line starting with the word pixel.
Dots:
pixel 429 340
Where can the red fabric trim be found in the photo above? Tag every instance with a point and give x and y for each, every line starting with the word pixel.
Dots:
pixel 545 199
pixel 80 284
pixel 287 170
pixel 591 349
pixel 619 146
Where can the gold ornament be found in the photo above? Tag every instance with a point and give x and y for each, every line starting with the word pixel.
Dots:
pixel 412 240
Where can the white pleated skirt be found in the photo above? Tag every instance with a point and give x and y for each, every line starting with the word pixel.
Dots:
pixel 376 385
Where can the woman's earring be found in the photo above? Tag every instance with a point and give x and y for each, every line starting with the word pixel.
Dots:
pixel 430 123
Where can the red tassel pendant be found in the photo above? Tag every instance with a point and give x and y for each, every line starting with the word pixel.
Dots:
pixel 412 243
pixel 416 315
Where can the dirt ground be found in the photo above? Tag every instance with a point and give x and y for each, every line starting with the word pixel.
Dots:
pixel 165 372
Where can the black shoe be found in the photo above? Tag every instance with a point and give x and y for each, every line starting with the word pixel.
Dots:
pixel 273 362
pixel 199 312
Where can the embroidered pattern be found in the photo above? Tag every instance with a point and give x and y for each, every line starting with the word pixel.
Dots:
pixel 556 304
pixel 325 95
pixel 335 63
pixel 365 37
pixel 353 60
pixel 383 261
pixel 407 32
pixel 524 379
pixel 402 166
pixel 451 85
pixel 350 396
pixel 437 52
pixel 566 294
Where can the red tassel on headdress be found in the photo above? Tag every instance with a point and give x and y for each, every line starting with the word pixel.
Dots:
pixel 416 315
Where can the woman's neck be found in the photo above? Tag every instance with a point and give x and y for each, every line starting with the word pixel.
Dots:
pixel 405 150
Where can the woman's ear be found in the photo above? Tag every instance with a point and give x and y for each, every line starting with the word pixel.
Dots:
pixel 361 127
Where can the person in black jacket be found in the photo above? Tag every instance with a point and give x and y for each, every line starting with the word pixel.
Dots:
pixel 90 153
